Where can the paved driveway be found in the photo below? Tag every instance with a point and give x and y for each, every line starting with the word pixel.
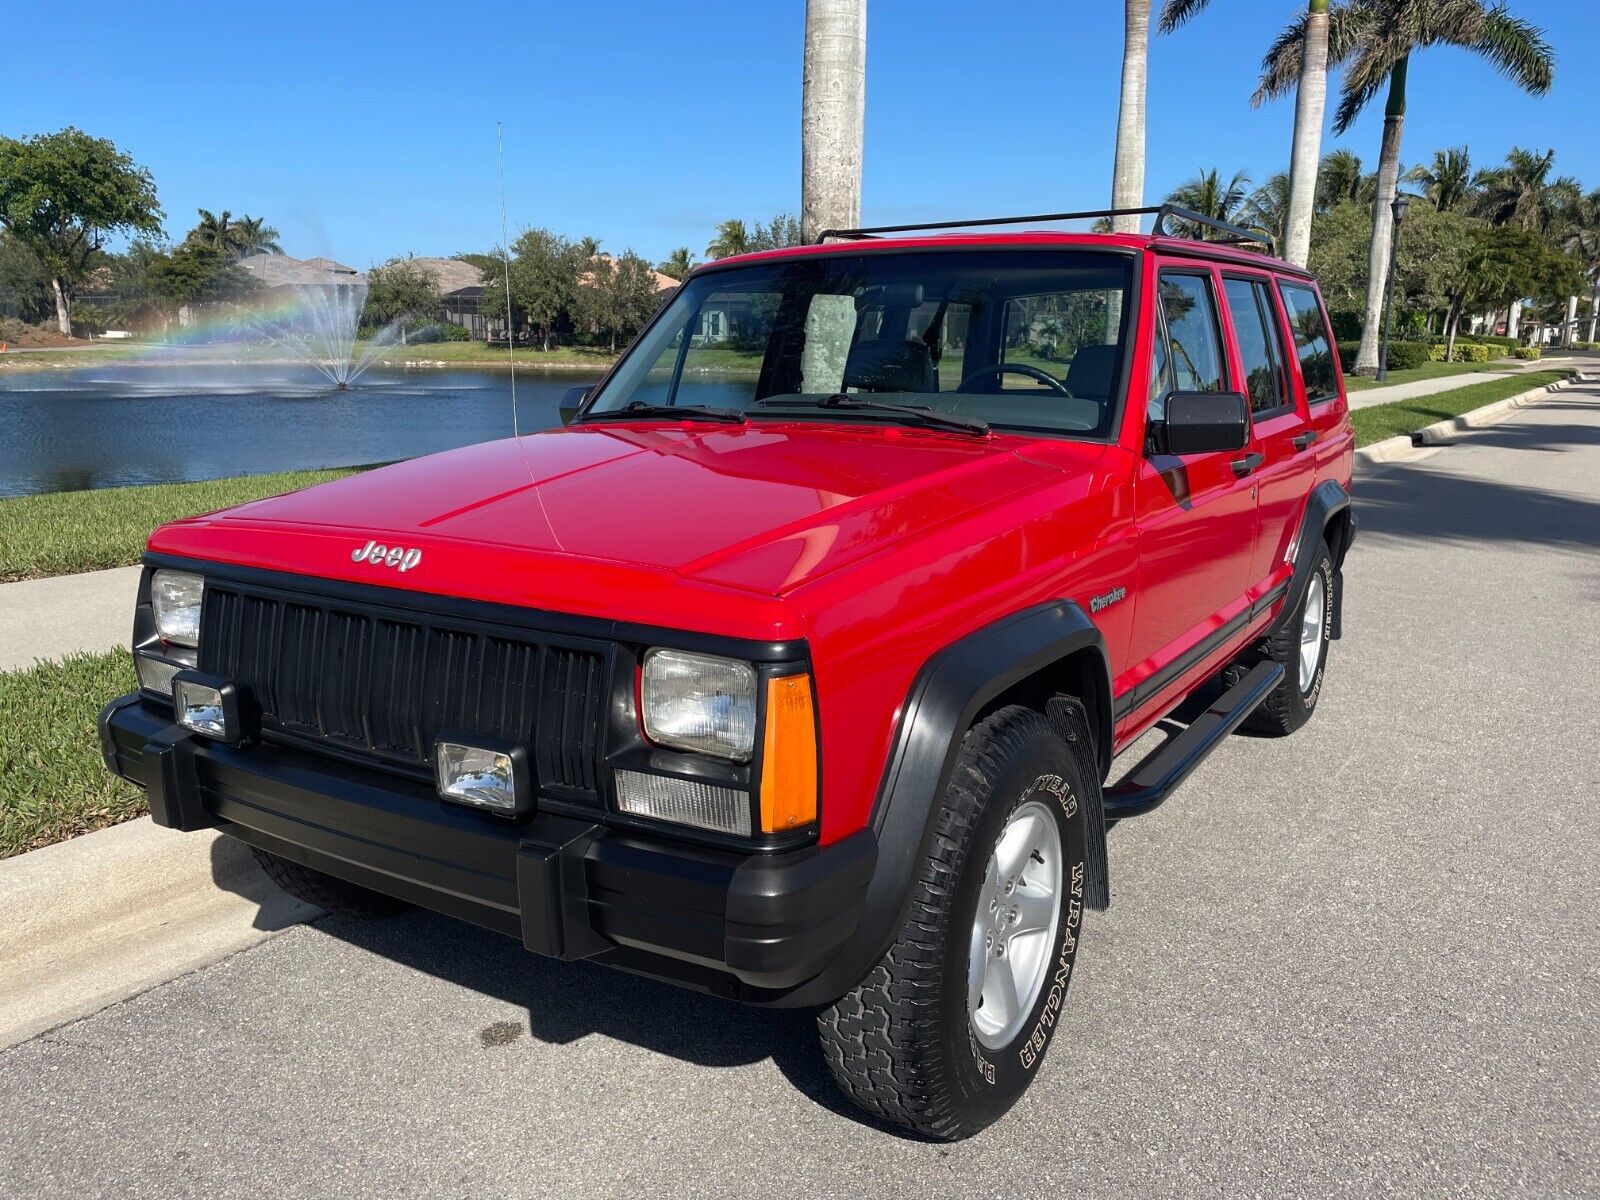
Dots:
pixel 1362 959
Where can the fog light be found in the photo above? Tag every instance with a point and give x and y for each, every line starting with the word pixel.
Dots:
pixel 482 774
pixel 684 802
pixel 206 705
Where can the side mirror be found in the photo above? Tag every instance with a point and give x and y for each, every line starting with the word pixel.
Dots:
pixel 571 400
pixel 1203 423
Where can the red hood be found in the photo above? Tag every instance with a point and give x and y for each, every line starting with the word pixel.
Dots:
pixel 559 519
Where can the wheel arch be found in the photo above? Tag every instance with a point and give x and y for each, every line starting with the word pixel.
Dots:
pixel 1026 658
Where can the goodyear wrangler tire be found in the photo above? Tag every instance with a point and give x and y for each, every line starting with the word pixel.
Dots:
pixel 1301 647
pixel 335 895
pixel 932 1040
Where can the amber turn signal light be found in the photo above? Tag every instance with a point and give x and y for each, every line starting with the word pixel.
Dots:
pixel 789 756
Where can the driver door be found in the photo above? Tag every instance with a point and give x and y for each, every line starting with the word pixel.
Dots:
pixel 1196 513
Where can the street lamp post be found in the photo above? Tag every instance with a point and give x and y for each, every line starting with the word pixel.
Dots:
pixel 1398 207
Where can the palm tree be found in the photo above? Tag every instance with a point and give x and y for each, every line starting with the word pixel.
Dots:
pixel 213 231
pixel 1448 182
pixel 252 235
pixel 1308 38
pixel 678 264
pixel 1270 207
pixel 1209 196
pixel 1377 39
pixel 1127 171
pixel 588 247
pixel 1522 193
pixel 732 238
pixel 832 115
pixel 1340 178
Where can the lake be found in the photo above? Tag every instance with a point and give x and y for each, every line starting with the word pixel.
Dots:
pixel 113 426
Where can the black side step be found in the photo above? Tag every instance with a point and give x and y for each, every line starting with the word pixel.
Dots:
pixel 1158 776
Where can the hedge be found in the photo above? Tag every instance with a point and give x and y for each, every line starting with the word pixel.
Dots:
pixel 1403 356
pixel 1528 352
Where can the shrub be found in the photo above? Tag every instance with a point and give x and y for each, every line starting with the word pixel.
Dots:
pixel 1346 326
pixel 1404 356
pixel 1437 351
pixel 1527 352
pixel 1474 353
pixel 11 329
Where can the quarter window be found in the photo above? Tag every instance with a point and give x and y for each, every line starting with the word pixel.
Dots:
pixel 1312 344
pixel 1255 327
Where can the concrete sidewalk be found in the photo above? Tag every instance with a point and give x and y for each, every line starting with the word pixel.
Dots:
pixel 51 618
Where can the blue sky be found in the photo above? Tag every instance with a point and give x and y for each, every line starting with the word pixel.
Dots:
pixel 364 131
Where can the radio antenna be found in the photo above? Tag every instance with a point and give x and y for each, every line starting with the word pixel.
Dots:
pixel 505 252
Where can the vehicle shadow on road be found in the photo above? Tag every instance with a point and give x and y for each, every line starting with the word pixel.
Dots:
pixel 1416 503
pixel 567 1001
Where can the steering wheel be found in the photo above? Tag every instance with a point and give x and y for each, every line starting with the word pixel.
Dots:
pixel 1032 372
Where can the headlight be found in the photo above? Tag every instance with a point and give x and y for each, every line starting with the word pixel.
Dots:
pixel 700 702
pixel 175 597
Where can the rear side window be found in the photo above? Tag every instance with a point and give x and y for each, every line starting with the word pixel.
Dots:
pixel 1312 342
pixel 1189 358
pixel 1255 325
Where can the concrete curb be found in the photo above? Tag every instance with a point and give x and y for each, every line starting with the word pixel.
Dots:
pixel 1428 440
pixel 102 917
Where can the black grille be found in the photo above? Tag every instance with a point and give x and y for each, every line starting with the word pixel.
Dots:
pixel 382 685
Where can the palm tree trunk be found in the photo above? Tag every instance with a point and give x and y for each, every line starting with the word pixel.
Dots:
pixel 1394 116
pixel 832 112
pixel 1594 313
pixel 1570 329
pixel 1127 173
pixel 1514 319
pixel 63 307
pixel 1310 99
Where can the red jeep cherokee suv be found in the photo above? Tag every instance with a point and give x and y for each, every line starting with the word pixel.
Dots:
pixel 793 666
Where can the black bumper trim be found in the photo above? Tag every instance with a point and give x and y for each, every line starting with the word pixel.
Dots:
pixel 754 926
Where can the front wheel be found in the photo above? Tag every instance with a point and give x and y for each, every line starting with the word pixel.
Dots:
pixel 949 1029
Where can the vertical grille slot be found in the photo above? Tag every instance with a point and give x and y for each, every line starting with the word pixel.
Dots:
pixel 383 685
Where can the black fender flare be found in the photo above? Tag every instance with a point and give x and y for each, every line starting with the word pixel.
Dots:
pixel 947 695
pixel 1327 501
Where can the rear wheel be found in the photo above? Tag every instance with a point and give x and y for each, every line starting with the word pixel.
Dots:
pixel 337 896
pixel 1301 648
pixel 948 1030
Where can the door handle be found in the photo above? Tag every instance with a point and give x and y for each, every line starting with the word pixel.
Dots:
pixel 1243 466
pixel 1301 440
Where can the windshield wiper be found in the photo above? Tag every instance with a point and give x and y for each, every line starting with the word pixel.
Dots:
pixel 686 412
pixel 918 414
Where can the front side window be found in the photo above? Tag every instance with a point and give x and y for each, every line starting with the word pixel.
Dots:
pixel 1194 344
pixel 1312 342
pixel 1255 327
pixel 1021 339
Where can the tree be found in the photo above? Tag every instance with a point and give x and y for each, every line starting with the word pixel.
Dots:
pixel 678 264
pixel 1507 263
pixel 197 274
pixel 617 296
pixel 588 247
pixel 231 238
pixel 1127 169
pixel 1521 192
pixel 783 230
pixel 24 283
pixel 1448 182
pixel 1376 39
pixel 1268 208
pixel 1433 247
pixel 544 278
pixel 832 115
pixel 402 293
pixel 1308 39
pixel 1209 196
pixel 731 238
pixel 1341 178
pixel 62 194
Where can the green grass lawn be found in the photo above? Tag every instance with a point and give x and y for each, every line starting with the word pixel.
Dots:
pixel 1433 370
pixel 53 784
pixel 586 357
pixel 61 533
pixel 1407 416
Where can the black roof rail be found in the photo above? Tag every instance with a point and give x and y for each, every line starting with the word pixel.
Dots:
pixel 1161 212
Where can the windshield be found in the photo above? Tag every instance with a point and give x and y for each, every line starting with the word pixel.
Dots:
pixel 1018 339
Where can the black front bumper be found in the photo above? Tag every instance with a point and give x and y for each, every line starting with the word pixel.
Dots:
pixel 753 926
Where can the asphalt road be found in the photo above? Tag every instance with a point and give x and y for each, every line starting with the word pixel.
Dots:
pixel 1362 959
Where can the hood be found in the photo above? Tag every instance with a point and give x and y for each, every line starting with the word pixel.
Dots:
pixel 763 508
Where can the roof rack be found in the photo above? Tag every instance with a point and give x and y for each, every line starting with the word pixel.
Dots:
pixel 1236 233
